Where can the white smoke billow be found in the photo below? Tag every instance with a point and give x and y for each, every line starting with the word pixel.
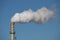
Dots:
pixel 39 16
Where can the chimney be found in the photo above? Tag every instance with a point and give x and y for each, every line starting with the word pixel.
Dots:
pixel 12 32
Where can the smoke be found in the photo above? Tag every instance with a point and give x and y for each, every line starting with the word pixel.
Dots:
pixel 39 16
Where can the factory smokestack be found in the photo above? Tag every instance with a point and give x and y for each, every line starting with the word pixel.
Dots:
pixel 12 32
pixel 39 16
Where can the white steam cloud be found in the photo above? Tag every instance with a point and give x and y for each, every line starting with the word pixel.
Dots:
pixel 39 16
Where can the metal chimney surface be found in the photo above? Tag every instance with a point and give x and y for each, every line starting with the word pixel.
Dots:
pixel 12 32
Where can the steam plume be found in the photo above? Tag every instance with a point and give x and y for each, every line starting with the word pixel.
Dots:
pixel 39 16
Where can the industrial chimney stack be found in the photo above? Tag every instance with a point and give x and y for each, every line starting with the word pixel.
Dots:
pixel 12 32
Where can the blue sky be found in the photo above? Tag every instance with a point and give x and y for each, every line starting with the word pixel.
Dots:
pixel 29 31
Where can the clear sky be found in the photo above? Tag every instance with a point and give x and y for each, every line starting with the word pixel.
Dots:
pixel 29 31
